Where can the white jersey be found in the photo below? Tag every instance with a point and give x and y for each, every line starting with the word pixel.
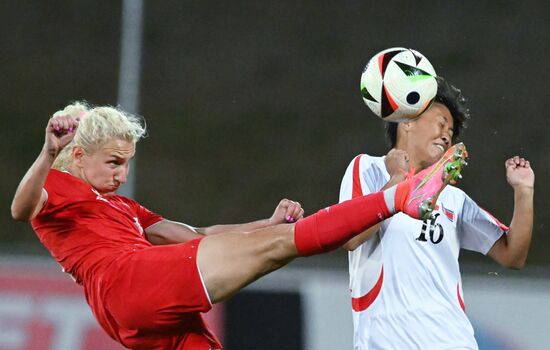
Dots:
pixel 405 280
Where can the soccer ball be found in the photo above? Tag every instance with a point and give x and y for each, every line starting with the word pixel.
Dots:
pixel 398 84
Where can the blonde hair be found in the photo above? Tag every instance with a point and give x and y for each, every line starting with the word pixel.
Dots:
pixel 97 126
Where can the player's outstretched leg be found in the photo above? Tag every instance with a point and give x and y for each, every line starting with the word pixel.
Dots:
pixel 230 261
pixel 417 196
pixel 333 226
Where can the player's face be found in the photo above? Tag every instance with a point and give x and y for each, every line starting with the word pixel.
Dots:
pixel 431 134
pixel 107 168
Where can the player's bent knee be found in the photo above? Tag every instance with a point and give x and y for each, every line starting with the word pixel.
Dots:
pixel 280 250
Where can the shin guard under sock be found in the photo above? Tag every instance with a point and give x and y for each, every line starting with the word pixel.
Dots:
pixel 331 227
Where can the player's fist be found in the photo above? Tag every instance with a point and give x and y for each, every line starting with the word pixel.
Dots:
pixel 519 173
pixel 59 132
pixel 397 163
pixel 287 211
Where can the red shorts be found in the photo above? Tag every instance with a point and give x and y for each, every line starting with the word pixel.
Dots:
pixel 155 299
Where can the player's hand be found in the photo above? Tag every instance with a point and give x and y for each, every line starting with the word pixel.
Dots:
pixel 287 211
pixel 519 173
pixel 397 163
pixel 59 132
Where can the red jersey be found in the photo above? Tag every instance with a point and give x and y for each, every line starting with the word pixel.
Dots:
pixel 100 241
pixel 85 231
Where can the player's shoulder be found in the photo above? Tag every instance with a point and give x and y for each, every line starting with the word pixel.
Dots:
pixel 123 200
pixel 453 197
pixel 454 192
pixel 366 161
pixel 64 184
pixel 130 203
pixel 459 197
pixel 66 191
pixel 57 176
pixel 366 170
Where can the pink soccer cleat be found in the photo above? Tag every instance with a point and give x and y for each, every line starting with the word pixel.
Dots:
pixel 417 196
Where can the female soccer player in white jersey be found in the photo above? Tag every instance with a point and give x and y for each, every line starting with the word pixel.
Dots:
pixel 405 280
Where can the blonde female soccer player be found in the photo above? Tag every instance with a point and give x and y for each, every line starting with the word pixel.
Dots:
pixel 147 279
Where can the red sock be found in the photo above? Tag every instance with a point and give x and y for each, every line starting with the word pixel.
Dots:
pixel 331 227
pixel 401 195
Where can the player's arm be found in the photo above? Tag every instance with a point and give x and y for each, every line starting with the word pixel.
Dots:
pixel 397 164
pixel 287 211
pixel 30 195
pixel 170 232
pixel 511 249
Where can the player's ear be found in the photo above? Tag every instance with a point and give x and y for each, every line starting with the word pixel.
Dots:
pixel 78 153
pixel 406 126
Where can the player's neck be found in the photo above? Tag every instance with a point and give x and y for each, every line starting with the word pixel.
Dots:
pixel 76 172
pixel 71 169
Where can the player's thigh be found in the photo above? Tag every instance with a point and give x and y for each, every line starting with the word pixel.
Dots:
pixel 230 261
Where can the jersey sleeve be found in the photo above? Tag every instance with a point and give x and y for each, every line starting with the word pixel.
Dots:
pixel 145 216
pixel 480 230
pixel 363 176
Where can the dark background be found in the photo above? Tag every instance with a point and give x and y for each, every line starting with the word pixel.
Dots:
pixel 250 102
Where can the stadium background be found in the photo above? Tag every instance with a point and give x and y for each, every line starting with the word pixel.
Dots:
pixel 249 102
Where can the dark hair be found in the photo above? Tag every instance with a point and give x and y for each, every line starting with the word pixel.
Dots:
pixel 452 98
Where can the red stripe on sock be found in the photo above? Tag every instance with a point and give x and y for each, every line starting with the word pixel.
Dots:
pixel 401 195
